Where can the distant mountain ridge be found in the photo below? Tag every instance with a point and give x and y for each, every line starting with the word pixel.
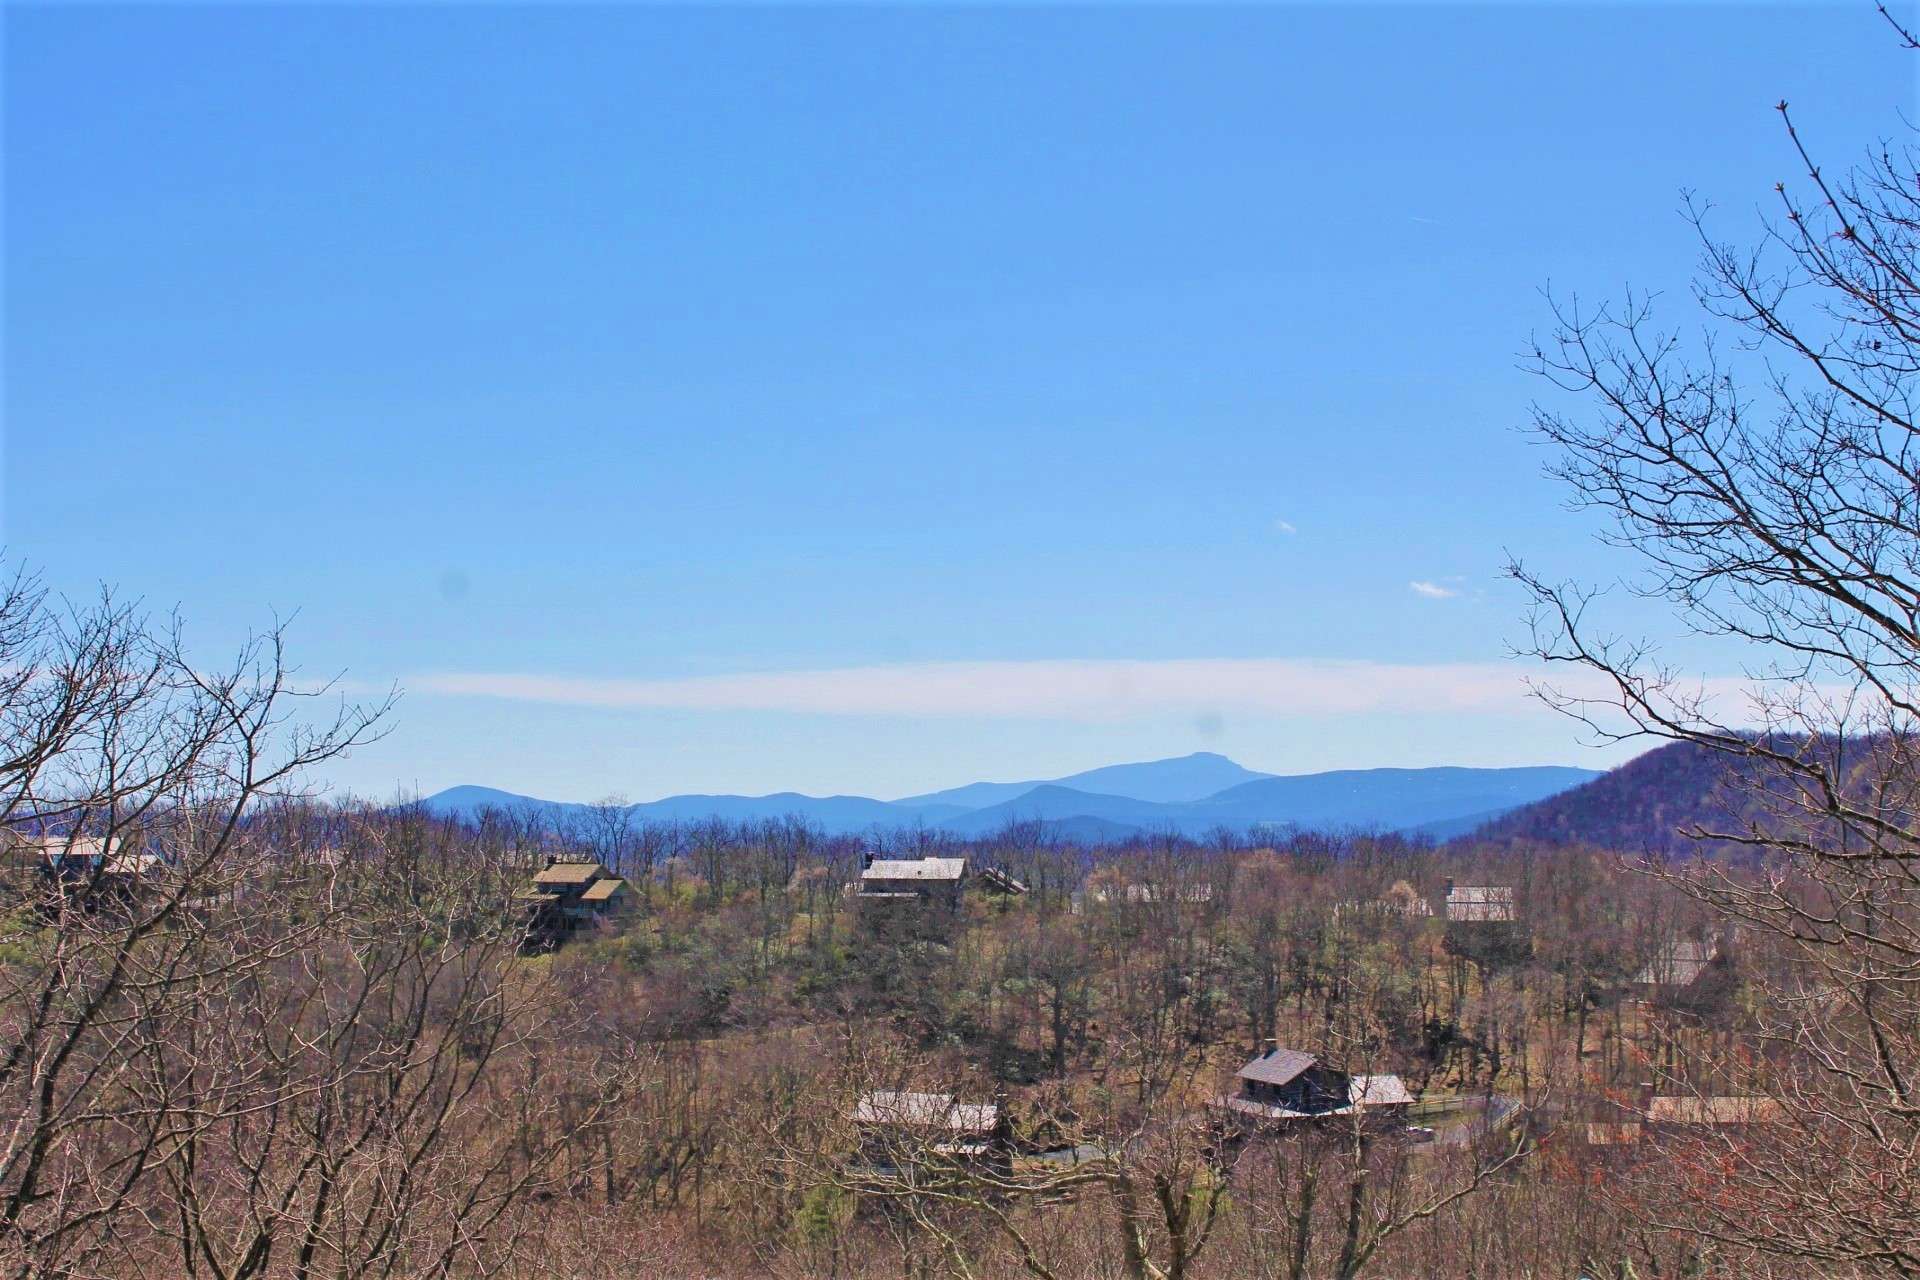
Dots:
pixel 1182 778
pixel 1190 795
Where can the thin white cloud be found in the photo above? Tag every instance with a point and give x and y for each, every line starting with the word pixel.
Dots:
pixel 1284 526
pixel 1070 689
pixel 1432 590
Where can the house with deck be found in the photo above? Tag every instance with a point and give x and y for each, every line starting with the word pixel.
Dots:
pixel 942 881
pixel 568 896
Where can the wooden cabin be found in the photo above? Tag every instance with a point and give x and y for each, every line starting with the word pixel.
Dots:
pixel 1483 924
pixel 1286 1085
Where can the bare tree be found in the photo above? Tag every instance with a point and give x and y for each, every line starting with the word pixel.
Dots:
pixel 130 771
pixel 1766 479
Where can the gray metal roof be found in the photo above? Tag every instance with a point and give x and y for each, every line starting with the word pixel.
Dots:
pixel 916 869
pixel 1378 1091
pixel 1276 1066
pixel 926 1110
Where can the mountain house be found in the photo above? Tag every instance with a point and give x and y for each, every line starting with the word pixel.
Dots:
pixel 938 880
pixel 1653 1117
pixel 97 866
pixel 1286 1085
pixel 569 895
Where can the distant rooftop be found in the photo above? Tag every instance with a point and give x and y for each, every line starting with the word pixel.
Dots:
pixel 570 872
pixel 1277 1066
pixel 1715 1111
pixel 926 1111
pixel 1680 966
pixel 1480 902
pixel 915 869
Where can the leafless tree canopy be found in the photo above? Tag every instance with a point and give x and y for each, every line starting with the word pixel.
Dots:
pixel 1763 476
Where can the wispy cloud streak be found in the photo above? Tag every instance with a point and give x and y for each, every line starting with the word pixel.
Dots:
pixel 1071 689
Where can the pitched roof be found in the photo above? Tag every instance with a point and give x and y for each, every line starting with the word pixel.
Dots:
pixel 926 1110
pixel 915 869
pixel 107 854
pixel 571 872
pixel 603 890
pixel 1277 1066
pixel 1000 880
pixel 1680 966
pixel 1378 1091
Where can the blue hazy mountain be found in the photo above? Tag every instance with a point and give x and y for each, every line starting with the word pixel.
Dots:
pixel 1193 777
pixel 1392 798
pixel 469 802
pixel 1389 799
pixel 834 813
pixel 1051 804
pixel 1120 800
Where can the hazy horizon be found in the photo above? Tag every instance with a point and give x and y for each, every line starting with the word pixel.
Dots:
pixel 632 799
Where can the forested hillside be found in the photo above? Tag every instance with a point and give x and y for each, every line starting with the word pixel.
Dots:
pixel 1672 800
pixel 1644 806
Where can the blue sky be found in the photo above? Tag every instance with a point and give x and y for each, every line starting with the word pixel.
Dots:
pixel 858 399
